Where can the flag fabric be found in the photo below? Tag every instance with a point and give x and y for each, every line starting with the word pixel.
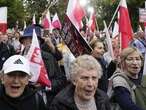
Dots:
pixel 39 73
pixel 125 28
pixel 56 22
pixel 75 12
pixel 33 19
pixel 24 25
pixel 92 22
pixel 40 21
pixel 3 19
pixel 109 42
pixel 115 30
pixel 47 21
pixel 140 29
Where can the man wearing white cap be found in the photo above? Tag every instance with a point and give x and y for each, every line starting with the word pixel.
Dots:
pixel 15 93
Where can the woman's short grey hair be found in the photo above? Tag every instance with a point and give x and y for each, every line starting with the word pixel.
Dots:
pixel 86 62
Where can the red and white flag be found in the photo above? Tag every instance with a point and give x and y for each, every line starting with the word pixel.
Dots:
pixel 56 22
pixel 39 73
pixel 110 52
pixel 3 19
pixel 75 12
pixel 92 22
pixel 33 19
pixel 47 24
pixel 125 28
pixel 115 30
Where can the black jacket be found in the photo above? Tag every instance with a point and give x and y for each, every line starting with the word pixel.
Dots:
pixel 27 101
pixel 55 75
pixel 108 70
pixel 65 100
pixel 54 72
pixel 5 52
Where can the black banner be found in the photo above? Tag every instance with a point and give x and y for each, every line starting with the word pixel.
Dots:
pixel 73 39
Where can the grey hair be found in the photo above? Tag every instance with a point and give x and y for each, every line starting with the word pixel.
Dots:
pixel 86 62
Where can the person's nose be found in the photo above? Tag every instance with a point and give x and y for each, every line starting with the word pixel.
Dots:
pixel 90 82
pixel 134 61
pixel 16 79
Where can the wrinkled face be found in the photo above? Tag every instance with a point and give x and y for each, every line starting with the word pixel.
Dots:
pixel 86 84
pixel 133 64
pixel 15 83
pixel 98 50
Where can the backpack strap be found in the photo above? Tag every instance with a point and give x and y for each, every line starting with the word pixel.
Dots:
pixel 128 84
pixel 122 75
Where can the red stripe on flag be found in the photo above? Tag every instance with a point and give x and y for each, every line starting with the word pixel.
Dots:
pixel 3 27
pixel 125 27
pixel 56 24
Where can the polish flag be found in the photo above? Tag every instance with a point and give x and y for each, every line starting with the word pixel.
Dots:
pixel 39 73
pixel 110 53
pixel 56 22
pixel 125 28
pixel 75 12
pixel 33 20
pixel 92 22
pixel 3 19
pixel 115 30
pixel 47 21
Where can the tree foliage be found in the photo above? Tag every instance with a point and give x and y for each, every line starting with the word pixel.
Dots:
pixel 36 7
pixel 108 8
pixel 24 9
pixel 15 11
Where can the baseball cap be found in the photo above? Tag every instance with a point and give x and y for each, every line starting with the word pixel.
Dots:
pixel 16 63
pixel 28 32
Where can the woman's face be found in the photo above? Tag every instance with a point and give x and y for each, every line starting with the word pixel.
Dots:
pixel 98 50
pixel 133 64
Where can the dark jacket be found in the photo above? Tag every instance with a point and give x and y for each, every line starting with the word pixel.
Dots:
pixel 55 75
pixel 65 100
pixel 27 101
pixel 54 72
pixel 108 70
pixel 5 52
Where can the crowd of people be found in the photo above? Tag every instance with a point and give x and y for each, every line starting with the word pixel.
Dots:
pixel 83 85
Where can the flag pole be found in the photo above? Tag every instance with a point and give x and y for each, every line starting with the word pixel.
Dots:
pixel 110 47
pixel 114 16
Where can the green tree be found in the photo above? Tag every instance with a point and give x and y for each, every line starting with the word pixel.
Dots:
pixel 37 8
pixel 107 9
pixel 15 11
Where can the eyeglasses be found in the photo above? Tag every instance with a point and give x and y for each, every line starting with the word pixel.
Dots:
pixel 133 59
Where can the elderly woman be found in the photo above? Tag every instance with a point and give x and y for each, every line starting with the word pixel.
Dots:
pixel 83 93
pixel 131 64
pixel 15 94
